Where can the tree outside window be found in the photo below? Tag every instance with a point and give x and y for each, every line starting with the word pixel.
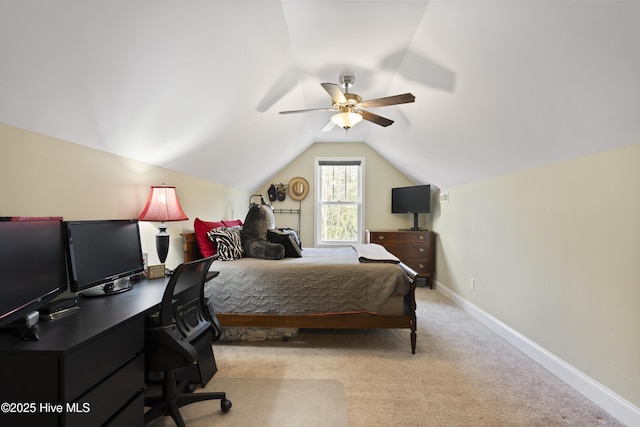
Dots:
pixel 339 201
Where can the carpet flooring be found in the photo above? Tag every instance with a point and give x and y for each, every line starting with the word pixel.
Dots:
pixel 265 402
pixel 462 374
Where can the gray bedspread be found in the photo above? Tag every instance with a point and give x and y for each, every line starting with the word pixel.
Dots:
pixel 322 281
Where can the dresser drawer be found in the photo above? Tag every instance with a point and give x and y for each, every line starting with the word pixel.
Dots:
pixel 131 415
pixel 381 237
pixel 407 249
pixel 411 249
pixel 95 361
pixel 421 266
pixel 111 396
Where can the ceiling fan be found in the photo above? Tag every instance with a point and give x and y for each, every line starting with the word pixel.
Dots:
pixel 351 107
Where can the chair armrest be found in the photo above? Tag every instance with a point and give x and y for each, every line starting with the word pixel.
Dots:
pixel 215 325
pixel 169 336
pixel 213 319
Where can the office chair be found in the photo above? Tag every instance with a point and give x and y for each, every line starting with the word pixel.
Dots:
pixel 172 340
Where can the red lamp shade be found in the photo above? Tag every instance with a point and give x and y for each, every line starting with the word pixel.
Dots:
pixel 163 205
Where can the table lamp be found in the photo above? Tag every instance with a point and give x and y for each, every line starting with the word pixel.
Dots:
pixel 163 205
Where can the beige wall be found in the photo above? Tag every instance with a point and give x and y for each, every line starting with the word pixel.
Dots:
pixel 380 177
pixel 554 250
pixel 555 254
pixel 44 176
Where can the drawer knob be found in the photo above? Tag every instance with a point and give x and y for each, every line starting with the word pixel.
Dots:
pixel 421 249
pixel 380 237
pixel 421 237
pixel 421 265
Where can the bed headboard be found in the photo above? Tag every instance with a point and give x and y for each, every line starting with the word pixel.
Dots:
pixel 190 251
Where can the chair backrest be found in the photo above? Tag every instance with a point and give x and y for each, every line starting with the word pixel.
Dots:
pixel 183 302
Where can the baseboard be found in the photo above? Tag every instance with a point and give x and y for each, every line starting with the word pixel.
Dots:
pixel 615 405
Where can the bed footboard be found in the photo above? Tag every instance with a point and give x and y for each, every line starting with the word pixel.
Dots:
pixel 332 321
pixel 410 302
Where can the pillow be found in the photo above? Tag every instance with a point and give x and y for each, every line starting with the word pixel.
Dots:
pixel 291 248
pixel 293 233
pixel 232 223
pixel 201 228
pixel 228 242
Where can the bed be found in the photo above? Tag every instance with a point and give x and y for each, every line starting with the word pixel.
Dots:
pixel 257 293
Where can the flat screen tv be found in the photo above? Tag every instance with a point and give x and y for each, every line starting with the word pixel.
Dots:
pixel 415 199
pixel 102 252
pixel 32 269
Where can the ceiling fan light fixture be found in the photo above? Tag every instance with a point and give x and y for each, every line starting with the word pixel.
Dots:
pixel 349 107
pixel 353 98
pixel 346 120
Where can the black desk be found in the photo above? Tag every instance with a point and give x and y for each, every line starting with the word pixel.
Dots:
pixel 87 369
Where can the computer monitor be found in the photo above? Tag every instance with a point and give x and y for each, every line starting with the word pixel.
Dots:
pixel 102 252
pixel 32 269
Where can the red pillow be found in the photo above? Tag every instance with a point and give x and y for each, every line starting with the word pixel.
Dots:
pixel 201 228
pixel 231 223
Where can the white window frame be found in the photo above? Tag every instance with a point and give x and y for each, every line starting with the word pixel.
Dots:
pixel 318 205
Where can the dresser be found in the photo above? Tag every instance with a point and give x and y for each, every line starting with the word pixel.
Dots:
pixel 414 248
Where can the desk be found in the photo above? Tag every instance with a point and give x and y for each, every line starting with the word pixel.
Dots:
pixel 87 369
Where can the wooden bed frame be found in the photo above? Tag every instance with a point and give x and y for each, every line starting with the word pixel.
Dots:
pixel 333 321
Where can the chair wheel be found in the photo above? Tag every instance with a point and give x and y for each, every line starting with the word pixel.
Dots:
pixel 225 405
pixel 190 388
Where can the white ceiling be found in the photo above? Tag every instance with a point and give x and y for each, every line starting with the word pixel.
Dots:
pixel 196 86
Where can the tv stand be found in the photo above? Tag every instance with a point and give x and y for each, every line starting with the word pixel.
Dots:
pixel 108 289
pixel 29 334
pixel 26 326
pixel 415 221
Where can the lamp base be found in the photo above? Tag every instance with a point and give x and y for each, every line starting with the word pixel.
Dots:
pixel 162 243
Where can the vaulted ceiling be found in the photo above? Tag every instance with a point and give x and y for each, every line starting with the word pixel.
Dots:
pixel 196 86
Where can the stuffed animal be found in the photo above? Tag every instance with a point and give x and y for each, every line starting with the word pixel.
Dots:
pixel 254 234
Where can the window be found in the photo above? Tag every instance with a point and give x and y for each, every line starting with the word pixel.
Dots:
pixel 339 200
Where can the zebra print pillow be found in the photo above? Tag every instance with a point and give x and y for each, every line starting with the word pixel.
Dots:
pixel 228 241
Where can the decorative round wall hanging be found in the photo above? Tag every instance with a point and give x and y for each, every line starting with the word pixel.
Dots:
pixel 298 188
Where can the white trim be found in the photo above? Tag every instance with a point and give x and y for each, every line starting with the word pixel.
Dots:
pixel 316 214
pixel 621 409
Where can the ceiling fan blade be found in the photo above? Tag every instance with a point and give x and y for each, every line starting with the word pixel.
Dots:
pixel 304 111
pixel 336 93
pixel 374 118
pixel 330 125
pixel 405 98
